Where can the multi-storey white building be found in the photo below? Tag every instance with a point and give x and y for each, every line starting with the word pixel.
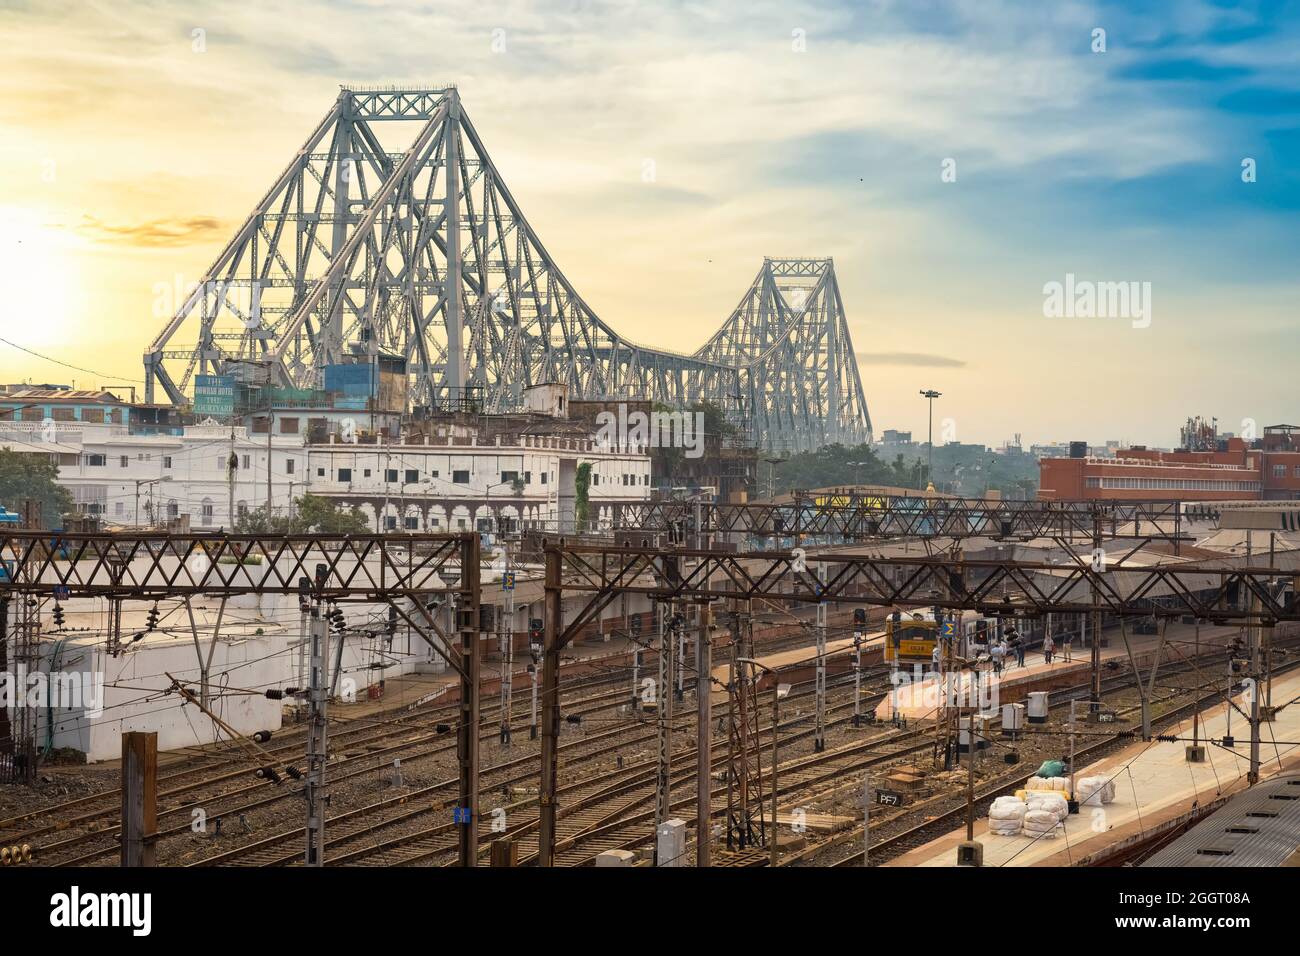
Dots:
pixel 450 483
pixel 144 479
pixel 528 480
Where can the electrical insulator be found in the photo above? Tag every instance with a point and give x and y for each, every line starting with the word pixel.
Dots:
pixel 58 616
pixel 151 621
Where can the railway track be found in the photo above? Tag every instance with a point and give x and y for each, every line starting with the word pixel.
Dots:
pixel 365 830
pixel 214 795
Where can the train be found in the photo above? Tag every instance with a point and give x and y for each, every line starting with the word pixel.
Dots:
pixel 911 636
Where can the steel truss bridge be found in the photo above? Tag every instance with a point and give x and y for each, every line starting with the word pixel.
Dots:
pixel 881 517
pixel 420 250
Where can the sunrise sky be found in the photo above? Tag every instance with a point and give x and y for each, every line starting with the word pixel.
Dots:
pixel 136 136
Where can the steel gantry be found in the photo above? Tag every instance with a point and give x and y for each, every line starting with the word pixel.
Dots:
pixel 360 249
pixel 411 573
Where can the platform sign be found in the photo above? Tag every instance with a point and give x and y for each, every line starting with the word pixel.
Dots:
pixel 948 630
pixel 62 592
pixel 890 798
pixel 507 581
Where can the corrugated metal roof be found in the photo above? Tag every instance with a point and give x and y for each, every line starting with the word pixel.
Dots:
pixel 1260 827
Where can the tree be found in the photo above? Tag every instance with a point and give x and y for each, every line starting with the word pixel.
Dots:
pixel 327 517
pixel 26 475
pixel 312 513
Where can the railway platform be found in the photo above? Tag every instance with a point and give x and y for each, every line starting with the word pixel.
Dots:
pixel 918 700
pixel 1155 788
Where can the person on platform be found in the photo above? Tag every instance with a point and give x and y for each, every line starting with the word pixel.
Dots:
pixel 1048 648
pixel 1065 647
pixel 998 654
pixel 1014 642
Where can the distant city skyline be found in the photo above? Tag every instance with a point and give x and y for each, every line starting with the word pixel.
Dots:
pixel 1075 222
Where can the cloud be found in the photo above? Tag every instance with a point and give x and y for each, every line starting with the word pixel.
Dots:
pixel 156 233
pixel 909 358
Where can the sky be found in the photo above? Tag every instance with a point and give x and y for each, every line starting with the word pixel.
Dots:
pixel 955 159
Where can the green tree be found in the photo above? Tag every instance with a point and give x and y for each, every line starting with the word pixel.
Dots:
pixel 312 513
pixel 24 475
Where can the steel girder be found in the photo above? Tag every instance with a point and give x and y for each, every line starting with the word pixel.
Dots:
pixel 1220 593
pixel 359 249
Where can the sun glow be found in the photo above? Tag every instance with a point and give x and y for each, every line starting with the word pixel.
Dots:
pixel 39 278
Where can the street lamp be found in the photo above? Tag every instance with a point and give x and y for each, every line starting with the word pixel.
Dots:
pixel 930 394
pixel 779 690
pixel 857 464
pixel 140 483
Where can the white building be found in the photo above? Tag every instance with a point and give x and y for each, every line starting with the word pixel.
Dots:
pixel 452 482
pixel 142 479
pixel 446 486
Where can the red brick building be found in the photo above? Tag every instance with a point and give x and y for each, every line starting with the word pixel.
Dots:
pixel 1238 471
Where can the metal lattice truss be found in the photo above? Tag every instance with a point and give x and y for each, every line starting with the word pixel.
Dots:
pixel 360 248
pixel 153 565
pixel 791 343
pixel 1217 593
pixel 864 518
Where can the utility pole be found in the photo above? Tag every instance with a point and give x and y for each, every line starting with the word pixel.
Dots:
pixel 819 739
pixel 776 735
pixel 532 723
pixel 507 651
pixel 930 394
pixel 546 798
pixel 970 778
pixel 317 754
pixel 232 463
pixel 704 749
pixel 636 681
pixel 139 798
pixel 1252 635
pixel 866 819
pixel 1098 564
pixel 269 417
pixel 467 742
pixel 679 637
pixel 664 719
